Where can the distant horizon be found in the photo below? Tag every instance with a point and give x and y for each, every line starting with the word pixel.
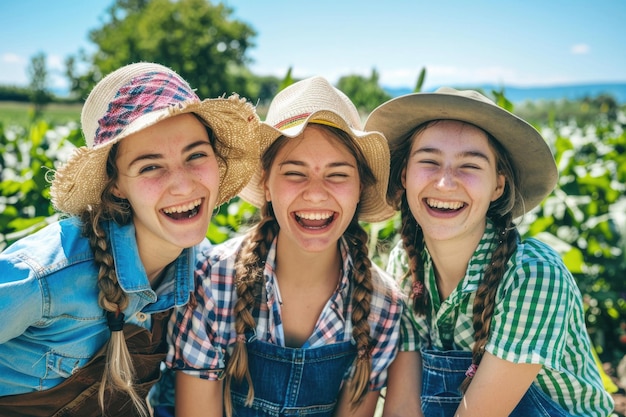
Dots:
pixel 514 93
pixel 517 94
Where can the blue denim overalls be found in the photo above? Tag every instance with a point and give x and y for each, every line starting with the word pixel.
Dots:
pixel 293 381
pixel 442 374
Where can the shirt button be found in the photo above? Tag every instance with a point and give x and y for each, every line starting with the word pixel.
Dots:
pixel 141 316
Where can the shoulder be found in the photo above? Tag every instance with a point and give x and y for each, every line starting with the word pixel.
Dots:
pixel 536 266
pixel 383 281
pixel 55 247
pixel 225 250
pixel 218 258
pixel 535 250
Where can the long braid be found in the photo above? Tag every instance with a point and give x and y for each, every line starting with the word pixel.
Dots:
pixel 119 372
pixel 485 299
pixel 500 213
pixel 248 280
pixel 361 302
pixel 413 242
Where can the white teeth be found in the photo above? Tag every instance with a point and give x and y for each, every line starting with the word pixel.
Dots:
pixel 314 216
pixel 183 208
pixel 448 205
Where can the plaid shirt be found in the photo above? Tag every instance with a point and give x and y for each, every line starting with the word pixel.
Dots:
pixel 200 338
pixel 538 319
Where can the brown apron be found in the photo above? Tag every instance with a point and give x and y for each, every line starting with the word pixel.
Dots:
pixel 77 396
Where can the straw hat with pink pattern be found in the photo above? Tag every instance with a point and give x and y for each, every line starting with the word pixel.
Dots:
pixel 140 95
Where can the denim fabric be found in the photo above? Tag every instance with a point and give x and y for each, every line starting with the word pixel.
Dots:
pixel 52 324
pixel 293 382
pixel 444 371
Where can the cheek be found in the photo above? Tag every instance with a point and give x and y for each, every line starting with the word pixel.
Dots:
pixel 209 176
pixel 412 180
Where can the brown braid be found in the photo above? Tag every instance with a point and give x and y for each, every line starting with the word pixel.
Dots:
pixel 500 212
pixel 413 242
pixel 248 280
pixel 357 239
pixel 249 276
pixel 485 298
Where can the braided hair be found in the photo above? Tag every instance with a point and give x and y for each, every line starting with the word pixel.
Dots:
pixel 119 373
pixel 499 211
pixel 249 281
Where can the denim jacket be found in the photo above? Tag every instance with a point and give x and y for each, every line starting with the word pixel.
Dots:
pixel 51 323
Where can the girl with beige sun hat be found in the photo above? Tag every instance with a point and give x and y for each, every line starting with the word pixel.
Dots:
pixel 294 315
pixel 85 299
pixel 497 322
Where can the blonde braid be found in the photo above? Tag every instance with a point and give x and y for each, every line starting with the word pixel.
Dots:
pixel 248 280
pixel 485 299
pixel 119 372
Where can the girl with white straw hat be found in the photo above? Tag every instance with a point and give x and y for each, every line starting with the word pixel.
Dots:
pixel 85 300
pixel 294 316
pixel 497 322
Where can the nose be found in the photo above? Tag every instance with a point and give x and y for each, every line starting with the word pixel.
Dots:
pixel 447 179
pixel 182 181
pixel 315 191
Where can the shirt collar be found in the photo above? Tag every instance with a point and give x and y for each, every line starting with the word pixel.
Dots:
pixel 479 260
pixel 131 274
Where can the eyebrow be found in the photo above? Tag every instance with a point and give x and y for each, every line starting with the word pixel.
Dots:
pixel 154 156
pixel 338 164
pixel 464 154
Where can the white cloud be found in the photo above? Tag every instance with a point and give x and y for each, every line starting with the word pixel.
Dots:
pixel 580 49
pixel 11 58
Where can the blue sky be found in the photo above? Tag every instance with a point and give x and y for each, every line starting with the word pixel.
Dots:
pixel 460 42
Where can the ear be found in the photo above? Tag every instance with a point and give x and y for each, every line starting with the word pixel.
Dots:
pixel 403 178
pixel 117 193
pixel 500 183
pixel 268 195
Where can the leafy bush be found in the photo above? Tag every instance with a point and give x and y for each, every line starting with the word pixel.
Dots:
pixel 584 218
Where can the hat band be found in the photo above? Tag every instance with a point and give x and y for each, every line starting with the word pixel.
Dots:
pixel 299 119
pixel 147 93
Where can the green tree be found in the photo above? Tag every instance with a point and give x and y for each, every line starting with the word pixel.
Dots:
pixel 365 93
pixel 195 38
pixel 38 74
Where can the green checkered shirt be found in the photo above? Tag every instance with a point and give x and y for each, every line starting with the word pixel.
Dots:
pixel 538 319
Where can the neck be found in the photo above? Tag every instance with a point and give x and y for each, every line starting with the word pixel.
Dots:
pixel 155 259
pixel 450 260
pixel 295 264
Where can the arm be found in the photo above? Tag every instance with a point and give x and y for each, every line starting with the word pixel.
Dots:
pixel 496 378
pixel 196 397
pixel 365 408
pixel 404 386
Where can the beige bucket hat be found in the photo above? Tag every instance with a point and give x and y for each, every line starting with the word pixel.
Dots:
pixel 140 95
pixel 531 156
pixel 315 100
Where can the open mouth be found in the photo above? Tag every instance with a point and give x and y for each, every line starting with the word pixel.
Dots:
pixel 444 206
pixel 184 211
pixel 314 219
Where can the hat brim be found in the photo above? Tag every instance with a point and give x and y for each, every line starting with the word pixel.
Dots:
pixel 531 155
pixel 373 205
pixel 79 183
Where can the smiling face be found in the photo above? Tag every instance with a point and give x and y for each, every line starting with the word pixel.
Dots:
pixel 169 174
pixel 314 188
pixel 450 180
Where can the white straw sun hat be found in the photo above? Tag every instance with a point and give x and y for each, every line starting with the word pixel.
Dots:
pixel 315 100
pixel 140 95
